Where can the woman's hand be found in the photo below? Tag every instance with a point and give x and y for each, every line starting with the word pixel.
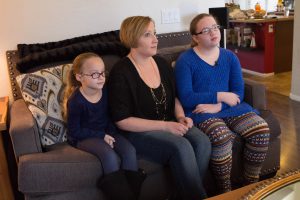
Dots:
pixel 188 122
pixel 208 108
pixel 109 140
pixel 175 128
pixel 229 98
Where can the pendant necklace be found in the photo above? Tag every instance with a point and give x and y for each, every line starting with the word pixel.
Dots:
pixel 160 103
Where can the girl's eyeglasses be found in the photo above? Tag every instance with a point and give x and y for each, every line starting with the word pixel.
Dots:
pixel 96 75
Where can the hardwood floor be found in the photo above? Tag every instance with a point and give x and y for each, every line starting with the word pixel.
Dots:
pixel 287 112
pixel 278 83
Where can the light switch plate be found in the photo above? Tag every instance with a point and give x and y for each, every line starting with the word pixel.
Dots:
pixel 170 16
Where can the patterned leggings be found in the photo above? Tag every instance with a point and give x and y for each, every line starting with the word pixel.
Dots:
pixel 221 133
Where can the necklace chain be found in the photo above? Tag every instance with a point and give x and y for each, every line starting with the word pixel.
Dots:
pixel 139 68
pixel 160 104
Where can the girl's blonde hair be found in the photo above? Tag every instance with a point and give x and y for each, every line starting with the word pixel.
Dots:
pixel 72 82
pixel 132 28
pixel 193 25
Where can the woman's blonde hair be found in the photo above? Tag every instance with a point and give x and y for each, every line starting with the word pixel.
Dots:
pixel 132 28
pixel 193 25
pixel 72 82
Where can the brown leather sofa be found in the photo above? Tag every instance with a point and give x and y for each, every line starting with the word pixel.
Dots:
pixel 62 172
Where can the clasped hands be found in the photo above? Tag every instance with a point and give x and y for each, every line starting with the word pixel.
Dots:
pixel 180 127
pixel 229 98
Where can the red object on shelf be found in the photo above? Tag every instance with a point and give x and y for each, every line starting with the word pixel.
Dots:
pixel 261 58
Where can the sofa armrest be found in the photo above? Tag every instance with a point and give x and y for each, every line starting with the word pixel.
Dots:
pixel 23 130
pixel 255 94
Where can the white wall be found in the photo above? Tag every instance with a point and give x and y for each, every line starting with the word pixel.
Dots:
pixel 34 21
pixel 295 90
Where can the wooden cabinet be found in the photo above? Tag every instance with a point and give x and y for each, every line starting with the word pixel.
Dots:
pixel 274 44
pixel 5 185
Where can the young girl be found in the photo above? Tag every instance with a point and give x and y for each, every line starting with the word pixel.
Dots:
pixel 211 88
pixel 90 129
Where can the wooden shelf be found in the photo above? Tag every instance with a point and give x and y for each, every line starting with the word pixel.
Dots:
pixel 264 20
pixel 3 112
pixel 5 185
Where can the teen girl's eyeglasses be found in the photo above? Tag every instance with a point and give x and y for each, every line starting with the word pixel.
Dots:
pixel 207 30
pixel 96 75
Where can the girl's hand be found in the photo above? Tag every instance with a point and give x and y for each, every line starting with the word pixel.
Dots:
pixel 175 128
pixel 188 122
pixel 208 108
pixel 229 98
pixel 109 140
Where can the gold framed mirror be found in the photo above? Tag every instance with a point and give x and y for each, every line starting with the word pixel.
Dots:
pixel 277 186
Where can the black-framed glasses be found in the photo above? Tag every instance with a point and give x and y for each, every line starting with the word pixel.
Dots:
pixel 207 30
pixel 96 75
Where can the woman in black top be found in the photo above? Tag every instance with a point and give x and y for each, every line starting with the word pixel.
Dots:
pixel 143 104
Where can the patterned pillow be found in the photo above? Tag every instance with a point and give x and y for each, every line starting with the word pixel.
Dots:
pixel 43 94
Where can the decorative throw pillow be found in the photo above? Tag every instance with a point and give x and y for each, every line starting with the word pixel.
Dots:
pixel 43 94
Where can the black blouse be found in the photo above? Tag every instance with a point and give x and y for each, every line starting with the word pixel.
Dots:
pixel 129 96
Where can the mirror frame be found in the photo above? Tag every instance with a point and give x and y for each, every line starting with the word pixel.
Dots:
pixel 271 185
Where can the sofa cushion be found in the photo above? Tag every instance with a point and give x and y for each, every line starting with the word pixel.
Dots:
pixel 75 169
pixel 172 53
pixel 63 168
pixel 43 92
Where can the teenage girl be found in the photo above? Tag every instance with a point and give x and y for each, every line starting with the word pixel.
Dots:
pixel 210 87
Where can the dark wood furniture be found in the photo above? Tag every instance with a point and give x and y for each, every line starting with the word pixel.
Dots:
pixel 274 44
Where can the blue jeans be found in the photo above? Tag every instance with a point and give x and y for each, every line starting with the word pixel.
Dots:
pixel 187 156
pixel 110 157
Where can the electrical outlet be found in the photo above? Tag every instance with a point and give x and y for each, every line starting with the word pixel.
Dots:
pixel 271 28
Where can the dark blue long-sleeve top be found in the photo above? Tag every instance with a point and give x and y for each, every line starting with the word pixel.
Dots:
pixel 198 82
pixel 86 119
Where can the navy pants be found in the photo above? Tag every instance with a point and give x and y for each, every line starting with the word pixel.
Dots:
pixel 187 156
pixel 110 157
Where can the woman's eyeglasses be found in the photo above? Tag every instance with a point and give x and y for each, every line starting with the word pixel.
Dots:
pixel 207 30
pixel 96 75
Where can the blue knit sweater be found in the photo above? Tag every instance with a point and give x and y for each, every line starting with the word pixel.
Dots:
pixel 198 82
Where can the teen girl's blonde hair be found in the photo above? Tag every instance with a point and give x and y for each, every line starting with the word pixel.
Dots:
pixel 72 83
pixel 132 28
